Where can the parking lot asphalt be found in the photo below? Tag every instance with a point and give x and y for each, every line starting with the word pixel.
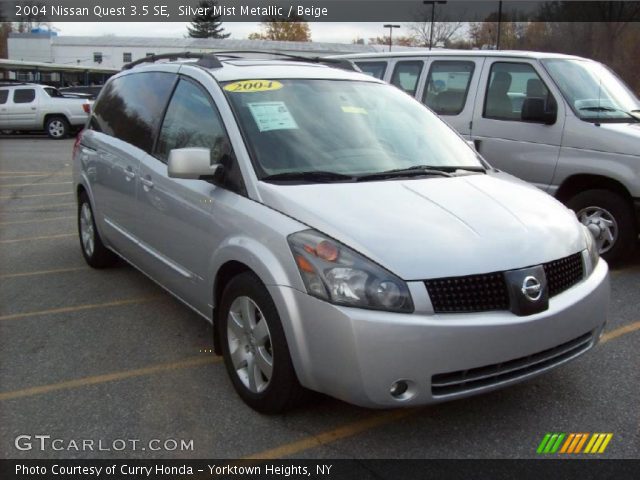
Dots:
pixel 107 355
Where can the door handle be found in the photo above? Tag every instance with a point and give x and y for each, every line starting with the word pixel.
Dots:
pixel 33 108
pixel 147 183
pixel 129 174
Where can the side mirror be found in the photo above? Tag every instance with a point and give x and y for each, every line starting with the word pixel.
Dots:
pixel 191 163
pixel 533 110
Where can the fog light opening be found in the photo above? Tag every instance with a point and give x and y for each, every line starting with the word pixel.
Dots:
pixel 402 389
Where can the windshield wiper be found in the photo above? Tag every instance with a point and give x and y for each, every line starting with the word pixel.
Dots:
pixel 310 176
pixel 416 171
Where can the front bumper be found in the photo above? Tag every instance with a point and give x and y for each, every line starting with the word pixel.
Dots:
pixel 356 355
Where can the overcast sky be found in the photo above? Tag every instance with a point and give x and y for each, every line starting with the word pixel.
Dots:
pixel 341 32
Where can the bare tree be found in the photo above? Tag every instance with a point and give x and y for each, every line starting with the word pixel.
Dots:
pixel 443 31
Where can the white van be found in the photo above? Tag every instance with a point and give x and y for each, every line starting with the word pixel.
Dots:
pixel 566 124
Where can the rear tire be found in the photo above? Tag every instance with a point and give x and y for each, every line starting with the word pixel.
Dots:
pixel 57 127
pixel 254 347
pixel 93 250
pixel 610 218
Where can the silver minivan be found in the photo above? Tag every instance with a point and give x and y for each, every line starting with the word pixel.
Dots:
pixel 338 234
pixel 566 124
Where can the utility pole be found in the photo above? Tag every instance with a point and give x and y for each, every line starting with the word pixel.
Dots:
pixel 499 24
pixel 390 27
pixel 433 16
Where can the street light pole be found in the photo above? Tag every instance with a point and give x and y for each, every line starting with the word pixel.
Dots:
pixel 499 24
pixel 390 27
pixel 433 16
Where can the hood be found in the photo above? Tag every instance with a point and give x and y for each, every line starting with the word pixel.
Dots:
pixel 623 138
pixel 436 227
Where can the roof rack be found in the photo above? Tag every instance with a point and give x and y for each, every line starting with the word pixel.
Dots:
pixel 342 63
pixel 206 60
pixel 212 60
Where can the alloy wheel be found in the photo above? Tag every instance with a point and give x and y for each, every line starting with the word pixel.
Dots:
pixel 602 225
pixel 249 342
pixel 87 232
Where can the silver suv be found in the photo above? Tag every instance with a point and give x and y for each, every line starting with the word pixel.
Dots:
pixel 338 234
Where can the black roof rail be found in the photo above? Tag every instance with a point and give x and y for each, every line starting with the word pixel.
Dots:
pixel 207 60
pixel 342 63
pixel 211 60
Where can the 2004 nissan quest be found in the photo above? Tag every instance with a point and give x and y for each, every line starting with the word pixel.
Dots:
pixel 339 235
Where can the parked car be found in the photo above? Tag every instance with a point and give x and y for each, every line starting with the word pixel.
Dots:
pixel 338 234
pixel 32 107
pixel 566 124
pixel 82 91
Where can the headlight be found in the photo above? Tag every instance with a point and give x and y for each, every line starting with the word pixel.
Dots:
pixel 337 274
pixel 592 250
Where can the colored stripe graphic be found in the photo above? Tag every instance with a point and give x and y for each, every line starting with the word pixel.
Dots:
pixel 572 443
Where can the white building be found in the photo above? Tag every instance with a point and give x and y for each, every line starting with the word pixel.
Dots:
pixel 113 52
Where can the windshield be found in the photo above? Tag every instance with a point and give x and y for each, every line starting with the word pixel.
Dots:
pixel 341 127
pixel 593 91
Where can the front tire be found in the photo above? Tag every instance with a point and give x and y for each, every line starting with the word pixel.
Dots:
pixel 610 219
pixel 57 127
pixel 254 347
pixel 93 250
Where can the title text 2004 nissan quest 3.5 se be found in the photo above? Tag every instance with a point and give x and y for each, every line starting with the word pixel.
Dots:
pixel 339 235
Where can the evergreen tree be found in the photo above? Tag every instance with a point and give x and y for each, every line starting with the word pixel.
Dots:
pixel 207 25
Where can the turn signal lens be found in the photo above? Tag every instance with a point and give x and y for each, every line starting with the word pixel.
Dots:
pixel 304 264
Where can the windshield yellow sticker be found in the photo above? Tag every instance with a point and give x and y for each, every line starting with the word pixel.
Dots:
pixel 349 109
pixel 249 86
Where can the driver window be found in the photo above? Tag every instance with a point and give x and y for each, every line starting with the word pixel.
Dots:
pixel 192 120
pixel 510 84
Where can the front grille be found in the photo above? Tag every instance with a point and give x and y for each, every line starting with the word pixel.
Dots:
pixel 467 380
pixel 473 293
pixel 564 273
pixel 488 291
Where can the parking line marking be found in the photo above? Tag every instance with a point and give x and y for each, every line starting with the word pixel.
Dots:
pixel 11 197
pixel 632 327
pixel 32 184
pixel 42 272
pixel 45 237
pixel 330 436
pixel 78 308
pixel 36 207
pixel 38 220
pixel 110 377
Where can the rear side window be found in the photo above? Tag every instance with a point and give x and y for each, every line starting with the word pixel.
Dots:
pixel 130 108
pixel 24 95
pixel 447 86
pixel 375 69
pixel 406 75
pixel 4 94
